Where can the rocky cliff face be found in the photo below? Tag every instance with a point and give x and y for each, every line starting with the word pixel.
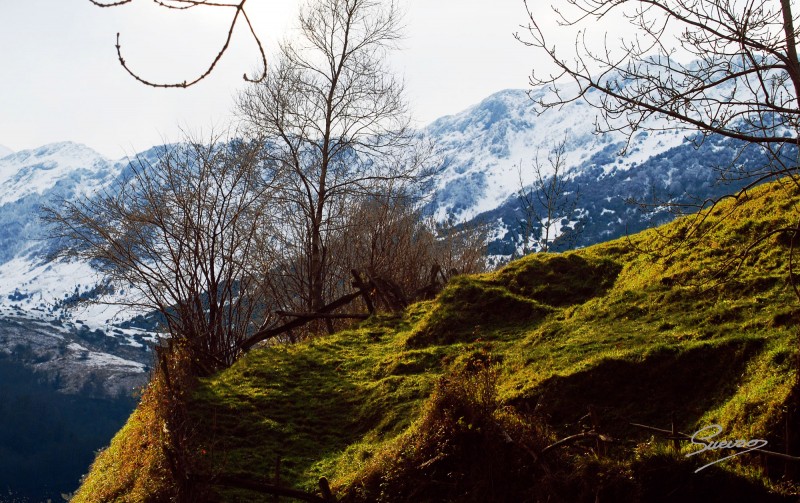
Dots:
pixel 72 358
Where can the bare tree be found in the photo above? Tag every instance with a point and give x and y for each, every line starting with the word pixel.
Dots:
pixel 547 203
pixel 744 64
pixel 391 239
pixel 180 232
pixel 726 67
pixel 707 67
pixel 336 127
pixel 461 247
pixel 239 14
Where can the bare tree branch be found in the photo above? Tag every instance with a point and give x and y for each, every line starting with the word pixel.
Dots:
pixel 180 233
pixel 240 13
pixel 336 126
pixel 743 82
pixel 547 203
pixel 706 67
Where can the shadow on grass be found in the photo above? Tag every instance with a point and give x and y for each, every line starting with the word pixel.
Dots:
pixel 666 479
pixel 559 280
pixel 686 382
pixel 299 409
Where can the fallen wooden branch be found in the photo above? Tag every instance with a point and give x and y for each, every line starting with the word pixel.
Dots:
pixel 269 333
pixel 573 438
pixel 661 430
pixel 510 440
pixel 388 292
pixel 358 316
pixel 778 455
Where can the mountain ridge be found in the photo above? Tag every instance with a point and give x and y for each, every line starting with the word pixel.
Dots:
pixel 505 131
pixel 482 148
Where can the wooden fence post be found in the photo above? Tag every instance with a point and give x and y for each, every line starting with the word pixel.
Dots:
pixel 362 287
pixel 676 443
pixel 326 490
pixel 596 429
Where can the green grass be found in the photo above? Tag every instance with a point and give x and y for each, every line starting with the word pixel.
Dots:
pixel 639 328
pixel 308 403
pixel 133 468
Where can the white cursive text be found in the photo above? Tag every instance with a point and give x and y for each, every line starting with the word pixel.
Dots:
pixel 709 432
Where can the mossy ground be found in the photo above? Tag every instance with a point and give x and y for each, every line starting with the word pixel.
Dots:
pixel 133 468
pixel 637 333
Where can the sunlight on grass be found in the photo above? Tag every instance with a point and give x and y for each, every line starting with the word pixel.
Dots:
pixel 637 334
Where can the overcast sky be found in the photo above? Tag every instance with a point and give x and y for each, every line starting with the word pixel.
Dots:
pixel 61 79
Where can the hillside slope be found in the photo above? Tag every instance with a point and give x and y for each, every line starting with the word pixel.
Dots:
pixel 458 399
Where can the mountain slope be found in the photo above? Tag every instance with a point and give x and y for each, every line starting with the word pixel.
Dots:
pixel 62 337
pixel 457 398
pixel 481 149
pixel 603 189
pixel 488 153
pixel 31 283
pixel 78 346
pixel 484 146
pixel 75 367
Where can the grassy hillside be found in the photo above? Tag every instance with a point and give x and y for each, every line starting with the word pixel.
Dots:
pixel 457 398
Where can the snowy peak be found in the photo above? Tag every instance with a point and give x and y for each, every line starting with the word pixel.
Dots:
pixel 30 179
pixel 488 149
pixel 43 303
pixel 507 104
pixel 36 171
pixel 4 151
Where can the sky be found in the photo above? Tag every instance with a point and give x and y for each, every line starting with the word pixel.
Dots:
pixel 61 80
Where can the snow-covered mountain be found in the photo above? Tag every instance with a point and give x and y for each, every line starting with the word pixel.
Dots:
pixel 30 179
pixel 40 322
pixel 51 344
pixel 484 147
pixel 72 370
pixel 69 169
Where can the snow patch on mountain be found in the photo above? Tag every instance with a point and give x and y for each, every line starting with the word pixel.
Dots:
pixel 33 179
pixel 51 307
pixel 37 171
pixel 4 151
pixel 488 150
pixel 66 290
pixel 96 360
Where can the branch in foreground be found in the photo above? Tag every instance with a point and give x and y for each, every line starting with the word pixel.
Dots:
pixel 187 4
